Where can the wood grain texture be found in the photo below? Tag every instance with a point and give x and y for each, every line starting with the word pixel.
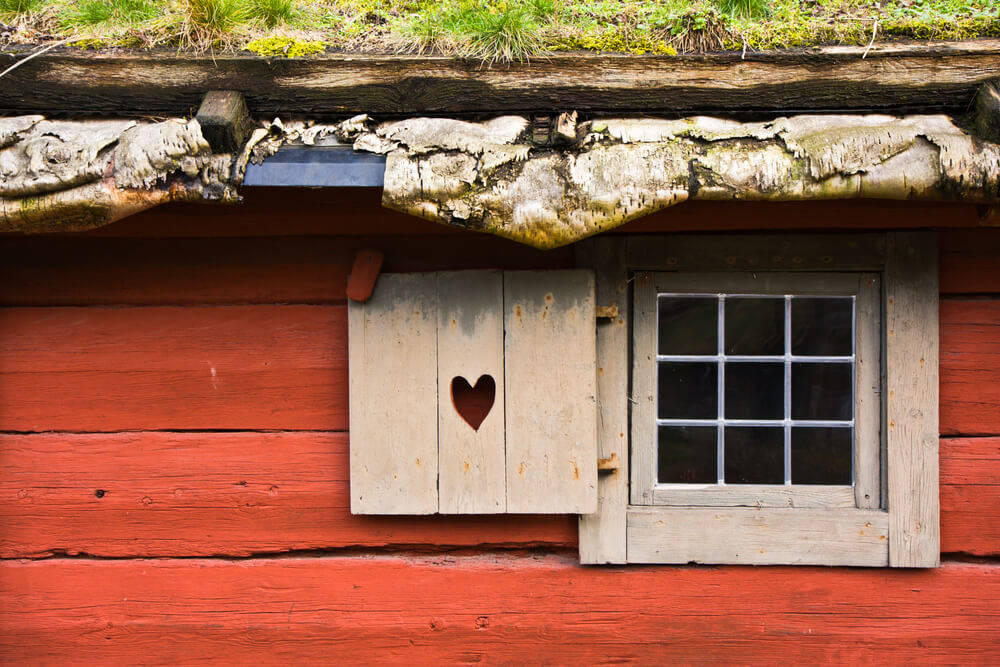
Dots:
pixel 757 252
pixel 285 367
pixel 869 459
pixel 82 269
pixel 265 212
pixel 110 369
pixel 911 403
pixel 472 461
pixel 276 492
pixel 970 261
pixel 602 534
pixel 970 367
pixel 392 340
pixel 490 609
pixel 550 372
pixel 642 408
pixel 139 495
pixel 970 496
pixel 48 271
pixel 750 536
pixel 924 77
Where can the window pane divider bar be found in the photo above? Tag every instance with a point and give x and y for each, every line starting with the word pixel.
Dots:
pixel 803 423
pixel 747 358
pixel 788 391
pixel 720 451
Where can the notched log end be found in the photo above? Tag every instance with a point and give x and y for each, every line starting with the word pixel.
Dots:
pixel 225 121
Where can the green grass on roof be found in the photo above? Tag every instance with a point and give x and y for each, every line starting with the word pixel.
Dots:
pixel 493 30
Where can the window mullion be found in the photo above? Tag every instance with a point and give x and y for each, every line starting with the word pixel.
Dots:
pixel 721 399
pixel 788 390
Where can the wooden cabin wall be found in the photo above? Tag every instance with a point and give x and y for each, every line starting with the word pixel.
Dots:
pixel 174 466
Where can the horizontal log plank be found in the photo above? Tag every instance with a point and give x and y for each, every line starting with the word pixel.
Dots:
pixel 970 496
pixel 39 271
pixel 83 270
pixel 229 367
pixel 285 367
pixel 491 609
pixel 265 212
pixel 970 367
pixel 204 494
pixel 239 494
pixel 893 77
pixel 970 261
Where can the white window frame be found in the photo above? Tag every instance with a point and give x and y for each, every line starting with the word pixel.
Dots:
pixel 866 348
pixel 892 518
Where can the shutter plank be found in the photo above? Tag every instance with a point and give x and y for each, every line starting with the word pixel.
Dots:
pixel 470 345
pixel 393 397
pixel 551 378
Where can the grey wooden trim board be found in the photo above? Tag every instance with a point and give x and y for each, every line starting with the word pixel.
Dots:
pixel 602 534
pixel 911 306
pixel 748 536
pixel 754 495
pixel 756 252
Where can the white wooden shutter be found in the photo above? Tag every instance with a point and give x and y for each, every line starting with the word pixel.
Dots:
pixel 525 338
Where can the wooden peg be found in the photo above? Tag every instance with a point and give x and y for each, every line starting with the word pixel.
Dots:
pixel 364 273
pixel 225 121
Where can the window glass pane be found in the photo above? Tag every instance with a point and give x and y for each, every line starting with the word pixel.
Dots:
pixel 755 390
pixel 755 326
pixel 821 455
pixel 687 455
pixel 821 391
pixel 822 327
pixel 687 390
pixel 755 455
pixel 688 325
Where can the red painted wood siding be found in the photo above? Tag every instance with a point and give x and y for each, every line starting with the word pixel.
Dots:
pixel 445 610
pixel 118 441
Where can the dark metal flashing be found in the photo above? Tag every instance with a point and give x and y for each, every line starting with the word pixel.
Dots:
pixel 317 166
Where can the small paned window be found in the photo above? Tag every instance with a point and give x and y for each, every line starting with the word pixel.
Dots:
pixel 766 399
pixel 756 383
pixel 755 389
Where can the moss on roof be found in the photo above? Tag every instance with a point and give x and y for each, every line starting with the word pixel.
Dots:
pixel 491 30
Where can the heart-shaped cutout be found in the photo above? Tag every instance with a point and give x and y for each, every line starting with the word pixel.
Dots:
pixel 473 403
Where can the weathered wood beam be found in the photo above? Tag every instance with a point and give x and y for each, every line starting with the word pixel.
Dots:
pixel 921 77
pixel 225 121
